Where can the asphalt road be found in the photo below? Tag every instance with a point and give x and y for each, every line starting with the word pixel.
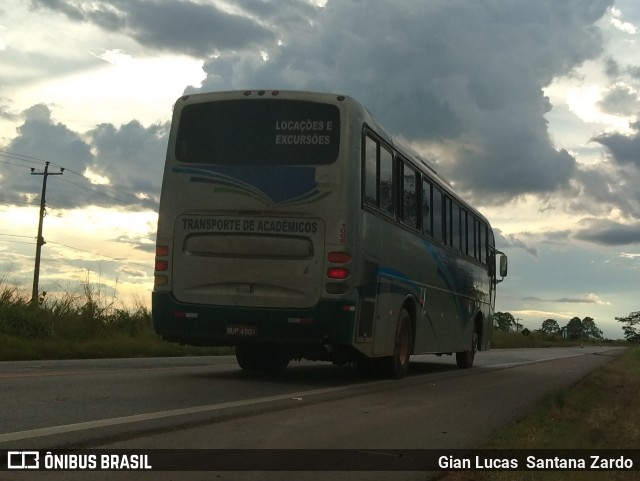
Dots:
pixel 211 403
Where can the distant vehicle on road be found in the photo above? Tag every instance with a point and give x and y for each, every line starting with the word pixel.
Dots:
pixel 292 226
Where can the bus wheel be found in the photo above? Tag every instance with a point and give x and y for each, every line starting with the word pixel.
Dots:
pixel 366 366
pixel 464 359
pixel 261 358
pixel 397 365
pixel 246 357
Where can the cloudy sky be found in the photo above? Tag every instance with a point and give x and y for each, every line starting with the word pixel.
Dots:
pixel 530 108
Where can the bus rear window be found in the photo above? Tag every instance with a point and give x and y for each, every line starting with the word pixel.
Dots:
pixel 259 132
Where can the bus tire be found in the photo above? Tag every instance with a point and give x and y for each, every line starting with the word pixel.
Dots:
pixel 261 358
pixel 397 365
pixel 366 366
pixel 464 359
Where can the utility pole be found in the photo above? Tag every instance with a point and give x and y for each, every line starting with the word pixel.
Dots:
pixel 40 241
pixel 518 324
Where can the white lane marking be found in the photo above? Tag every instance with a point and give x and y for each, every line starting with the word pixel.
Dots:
pixel 74 427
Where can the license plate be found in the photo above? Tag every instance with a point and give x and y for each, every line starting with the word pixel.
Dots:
pixel 243 331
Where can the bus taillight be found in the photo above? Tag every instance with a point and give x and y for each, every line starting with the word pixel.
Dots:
pixel 339 257
pixel 161 265
pixel 338 273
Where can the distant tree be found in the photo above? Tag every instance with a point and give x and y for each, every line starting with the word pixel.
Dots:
pixel 550 327
pixel 503 321
pixel 631 332
pixel 574 329
pixel 589 329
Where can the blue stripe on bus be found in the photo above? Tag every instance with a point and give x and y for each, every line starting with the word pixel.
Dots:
pixel 443 272
pixel 395 274
pixel 449 280
pixel 273 185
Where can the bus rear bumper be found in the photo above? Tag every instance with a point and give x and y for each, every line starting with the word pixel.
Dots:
pixel 329 323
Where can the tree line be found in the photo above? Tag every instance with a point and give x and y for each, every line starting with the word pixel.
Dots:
pixel 629 323
pixel 575 329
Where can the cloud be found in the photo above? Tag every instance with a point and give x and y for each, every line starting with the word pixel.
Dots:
pixel 608 233
pixel 465 77
pixel 621 25
pixel 128 160
pixel 557 237
pixel 600 189
pixel 6 113
pixel 624 149
pixel 458 73
pixel 132 158
pixel 620 100
pixel 589 298
pixel 132 272
pixel 40 136
pixel 144 243
pixel 543 314
pixel 511 241
pixel 177 26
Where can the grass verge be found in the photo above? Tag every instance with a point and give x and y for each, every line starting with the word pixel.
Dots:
pixel 515 340
pixel 82 325
pixel 600 411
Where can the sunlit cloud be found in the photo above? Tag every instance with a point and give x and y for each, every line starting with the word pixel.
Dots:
pixel 621 25
pixel 529 313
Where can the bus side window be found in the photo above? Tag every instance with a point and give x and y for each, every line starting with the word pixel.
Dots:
pixel 426 207
pixel 464 236
pixel 438 225
pixel 478 239
pixel 386 181
pixel 409 196
pixel 370 172
pixel 482 243
pixel 448 238
pixel 455 226
pixel 471 235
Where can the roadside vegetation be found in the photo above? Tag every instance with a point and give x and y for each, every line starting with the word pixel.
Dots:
pixel 77 325
pixel 515 340
pixel 509 333
pixel 599 412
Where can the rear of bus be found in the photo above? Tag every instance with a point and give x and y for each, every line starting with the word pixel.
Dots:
pixel 251 246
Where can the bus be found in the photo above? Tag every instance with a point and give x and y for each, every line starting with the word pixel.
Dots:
pixel 292 226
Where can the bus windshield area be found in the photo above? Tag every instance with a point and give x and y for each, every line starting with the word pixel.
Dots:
pixel 259 132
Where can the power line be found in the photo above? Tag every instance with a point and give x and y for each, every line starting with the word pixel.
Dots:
pixel 122 261
pixel 16 165
pixel 36 160
pixel 24 158
pixel 18 242
pixel 15 200
pixel 15 235
pixel 104 194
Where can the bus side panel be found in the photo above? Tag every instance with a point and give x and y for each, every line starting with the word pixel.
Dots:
pixel 462 293
pixel 448 290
